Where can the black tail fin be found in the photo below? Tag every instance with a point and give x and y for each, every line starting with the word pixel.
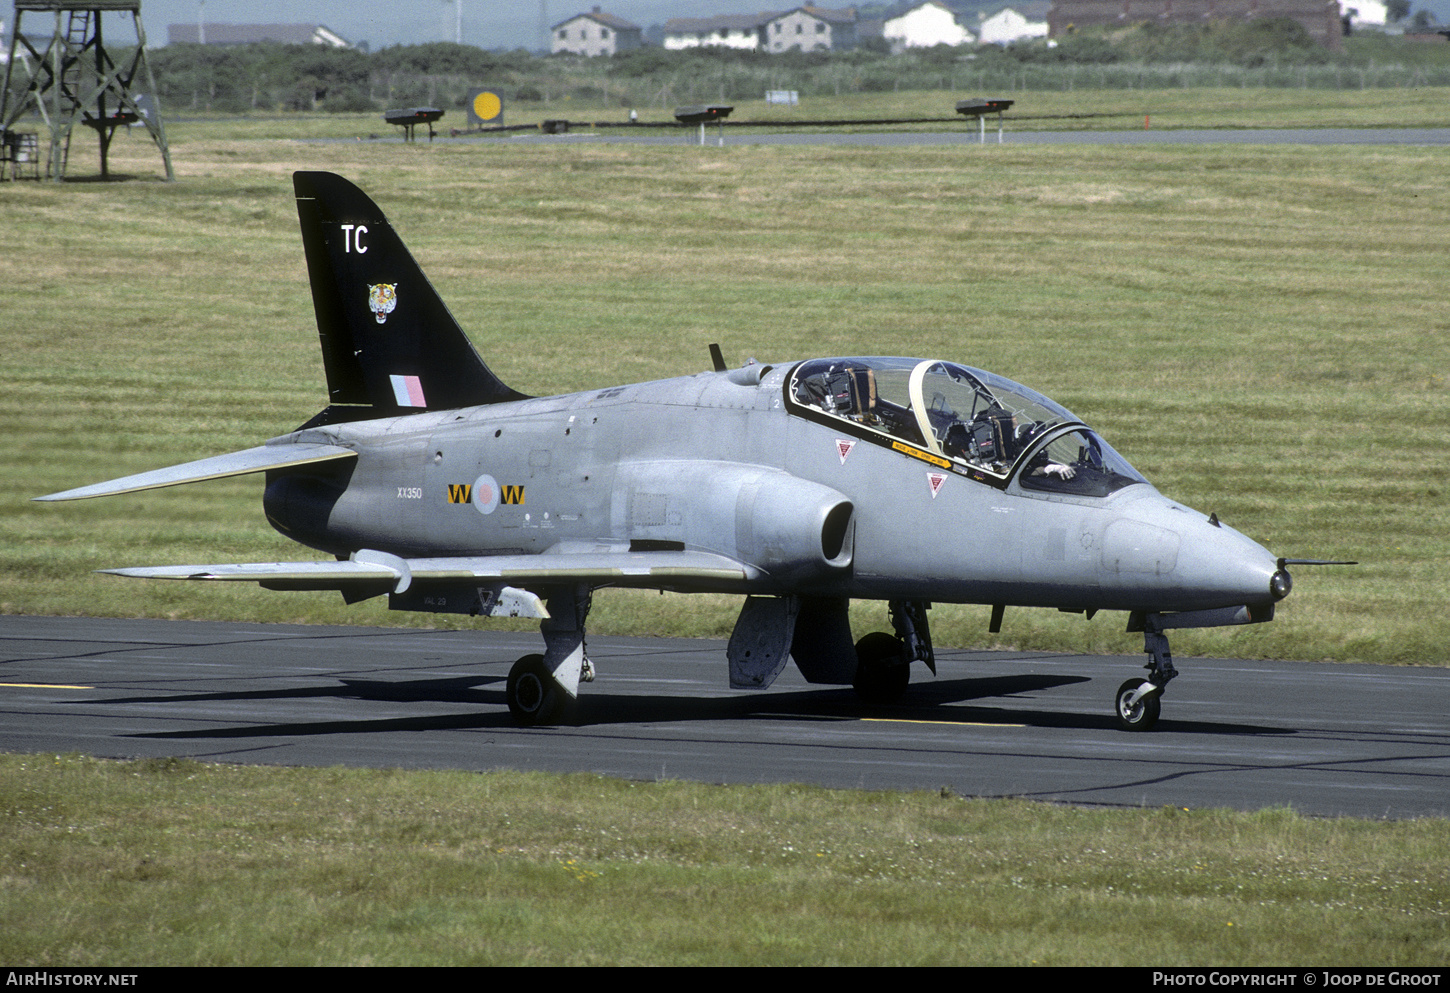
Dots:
pixel 388 341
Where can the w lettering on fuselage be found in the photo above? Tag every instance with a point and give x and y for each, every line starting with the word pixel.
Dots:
pixel 489 493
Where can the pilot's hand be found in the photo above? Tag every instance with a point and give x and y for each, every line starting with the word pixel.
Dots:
pixel 1060 471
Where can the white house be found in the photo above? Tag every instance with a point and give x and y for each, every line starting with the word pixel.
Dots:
pixel 1007 26
pixel 924 26
pixel 1365 12
pixel 741 31
pixel 594 33
pixel 810 29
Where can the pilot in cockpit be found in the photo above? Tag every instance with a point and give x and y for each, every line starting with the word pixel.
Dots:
pixel 1041 464
pixel 994 438
pixel 844 391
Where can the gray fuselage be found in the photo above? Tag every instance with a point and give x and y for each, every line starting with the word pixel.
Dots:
pixel 707 463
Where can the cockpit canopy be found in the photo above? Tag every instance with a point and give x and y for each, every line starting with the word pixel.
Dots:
pixel 972 421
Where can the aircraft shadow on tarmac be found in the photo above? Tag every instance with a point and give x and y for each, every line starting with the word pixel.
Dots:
pixel 937 702
pixel 111 649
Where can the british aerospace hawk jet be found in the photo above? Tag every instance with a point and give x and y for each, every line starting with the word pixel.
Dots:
pixel 798 485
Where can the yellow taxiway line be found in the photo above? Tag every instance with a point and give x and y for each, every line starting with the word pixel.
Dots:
pixel 958 724
pixel 48 686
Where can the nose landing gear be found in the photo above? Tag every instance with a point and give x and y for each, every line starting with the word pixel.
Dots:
pixel 1138 701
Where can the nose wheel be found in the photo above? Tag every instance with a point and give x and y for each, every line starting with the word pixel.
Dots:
pixel 1138 704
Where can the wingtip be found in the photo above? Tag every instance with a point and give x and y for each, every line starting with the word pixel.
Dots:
pixel 79 493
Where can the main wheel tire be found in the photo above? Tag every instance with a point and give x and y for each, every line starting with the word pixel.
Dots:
pixel 533 695
pixel 882 672
pixel 1143 714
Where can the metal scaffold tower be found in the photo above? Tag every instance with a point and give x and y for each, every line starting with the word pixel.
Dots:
pixel 76 79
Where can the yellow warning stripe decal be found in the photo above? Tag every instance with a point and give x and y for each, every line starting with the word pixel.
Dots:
pixel 917 453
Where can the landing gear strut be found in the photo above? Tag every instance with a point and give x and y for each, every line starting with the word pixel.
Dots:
pixel 1138 701
pixel 542 688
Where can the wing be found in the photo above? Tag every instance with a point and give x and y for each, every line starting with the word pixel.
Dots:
pixel 370 573
pixel 257 459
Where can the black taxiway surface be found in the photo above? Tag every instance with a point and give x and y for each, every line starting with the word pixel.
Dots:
pixel 1324 739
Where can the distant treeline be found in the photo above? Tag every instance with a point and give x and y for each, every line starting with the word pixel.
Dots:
pixel 1266 52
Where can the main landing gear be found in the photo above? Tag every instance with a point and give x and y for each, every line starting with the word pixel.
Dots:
pixel 1138 701
pixel 533 695
pixel 541 689
pixel 883 661
pixel 882 672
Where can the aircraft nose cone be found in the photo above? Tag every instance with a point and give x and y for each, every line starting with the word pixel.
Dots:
pixel 1229 566
pixel 1191 560
pixel 1280 584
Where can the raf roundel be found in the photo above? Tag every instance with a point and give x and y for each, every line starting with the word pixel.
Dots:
pixel 485 494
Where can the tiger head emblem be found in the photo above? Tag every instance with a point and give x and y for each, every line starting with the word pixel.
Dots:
pixel 382 298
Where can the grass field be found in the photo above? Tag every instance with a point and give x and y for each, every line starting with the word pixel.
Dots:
pixel 181 863
pixel 1259 329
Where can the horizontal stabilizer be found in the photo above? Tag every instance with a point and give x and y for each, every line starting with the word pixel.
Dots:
pixel 258 459
pixel 614 568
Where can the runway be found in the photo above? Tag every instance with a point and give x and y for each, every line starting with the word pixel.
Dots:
pixel 970 136
pixel 1367 741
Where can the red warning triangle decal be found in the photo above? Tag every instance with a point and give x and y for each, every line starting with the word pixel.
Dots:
pixel 843 448
pixel 935 480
